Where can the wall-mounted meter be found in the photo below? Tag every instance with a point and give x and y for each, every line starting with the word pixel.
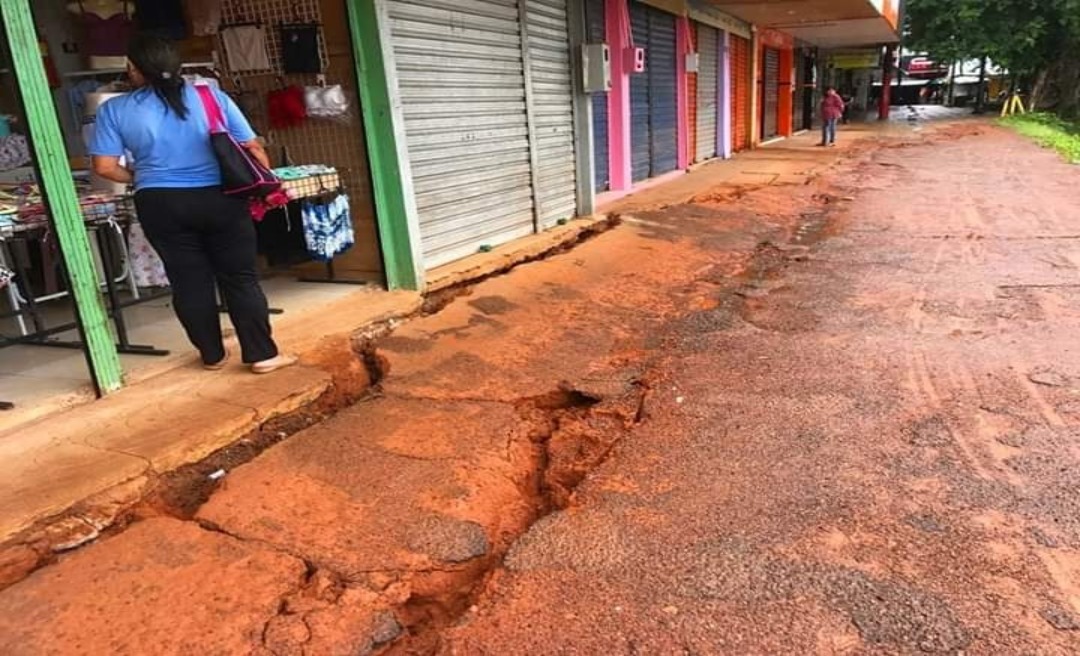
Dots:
pixel 596 64
pixel 693 62
pixel 635 60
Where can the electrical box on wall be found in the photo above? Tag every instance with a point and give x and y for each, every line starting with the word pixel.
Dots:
pixel 635 60
pixel 693 62
pixel 596 62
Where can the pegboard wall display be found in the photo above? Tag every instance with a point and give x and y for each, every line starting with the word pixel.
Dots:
pixel 271 14
pixel 337 142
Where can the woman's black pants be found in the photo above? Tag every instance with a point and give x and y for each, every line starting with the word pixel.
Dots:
pixel 207 242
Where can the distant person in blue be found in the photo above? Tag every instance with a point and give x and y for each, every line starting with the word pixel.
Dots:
pixel 205 238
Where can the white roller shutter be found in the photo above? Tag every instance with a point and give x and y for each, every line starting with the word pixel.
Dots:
pixel 708 78
pixel 461 80
pixel 552 103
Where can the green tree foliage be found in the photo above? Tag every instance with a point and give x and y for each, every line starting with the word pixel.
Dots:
pixel 1038 40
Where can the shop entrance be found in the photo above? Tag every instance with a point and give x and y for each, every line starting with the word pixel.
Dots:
pixel 770 96
pixel 740 93
pixel 290 68
pixel 654 108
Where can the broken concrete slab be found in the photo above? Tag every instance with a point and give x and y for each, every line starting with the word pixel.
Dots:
pixel 49 467
pixel 114 449
pixel 196 592
pixel 41 477
pixel 387 486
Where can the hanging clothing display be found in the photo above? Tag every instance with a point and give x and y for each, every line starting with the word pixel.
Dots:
pixel 108 28
pixel 286 107
pixel 163 18
pixel 281 238
pixel 205 16
pixel 147 269
pixel 328 227
pixel 76 94
pixel 300 49
pixel 326 101
pixel 14 152
pixel 245 48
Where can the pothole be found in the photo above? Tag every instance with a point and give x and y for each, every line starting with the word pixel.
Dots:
pixel 575 431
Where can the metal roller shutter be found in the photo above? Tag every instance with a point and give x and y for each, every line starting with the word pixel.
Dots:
pixel 640 126
pixel 692 111
pixel 798 119
pixel 597 33
pixel 740 93
pixel 551 94
pixel 462 84
pixel 653 106
pixel 770 106
pixel 663 104
pixel 708 47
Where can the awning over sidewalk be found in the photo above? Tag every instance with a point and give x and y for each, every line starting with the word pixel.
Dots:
pixel 824 23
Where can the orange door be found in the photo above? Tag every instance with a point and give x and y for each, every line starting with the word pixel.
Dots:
pixel 740 93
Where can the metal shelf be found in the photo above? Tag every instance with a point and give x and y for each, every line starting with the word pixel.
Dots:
pixel 118 71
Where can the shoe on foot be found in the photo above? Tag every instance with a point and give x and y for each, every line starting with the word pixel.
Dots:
pixel 274 364
pixel 220 364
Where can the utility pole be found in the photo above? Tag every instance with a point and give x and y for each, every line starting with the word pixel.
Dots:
pixel 950 95
pixel 980 104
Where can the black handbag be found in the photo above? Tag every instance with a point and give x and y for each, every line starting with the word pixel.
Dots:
pixel 242 175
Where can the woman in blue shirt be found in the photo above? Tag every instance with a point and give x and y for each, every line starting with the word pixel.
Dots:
pixel 205 238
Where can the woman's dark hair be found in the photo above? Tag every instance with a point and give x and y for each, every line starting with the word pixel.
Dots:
pixel 159 63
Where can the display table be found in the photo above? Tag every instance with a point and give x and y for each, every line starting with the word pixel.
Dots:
pixel 105 217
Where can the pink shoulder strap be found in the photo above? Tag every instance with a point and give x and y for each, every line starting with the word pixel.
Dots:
pixel 210 105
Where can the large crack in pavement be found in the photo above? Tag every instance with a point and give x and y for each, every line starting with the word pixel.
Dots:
pixel 484 417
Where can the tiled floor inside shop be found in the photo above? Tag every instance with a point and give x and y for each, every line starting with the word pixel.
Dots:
pixel 33 374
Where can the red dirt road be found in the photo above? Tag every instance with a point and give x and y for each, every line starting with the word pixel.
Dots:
pixel 873 450
pixel 836 414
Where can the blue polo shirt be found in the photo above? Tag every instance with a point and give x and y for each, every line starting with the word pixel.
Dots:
pixel 169 152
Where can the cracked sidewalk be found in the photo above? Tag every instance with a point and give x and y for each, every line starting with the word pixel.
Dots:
pixel 380 523
pixel 95 458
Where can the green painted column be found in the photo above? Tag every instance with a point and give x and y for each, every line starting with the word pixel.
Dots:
pixel 395 204
pixel 61 198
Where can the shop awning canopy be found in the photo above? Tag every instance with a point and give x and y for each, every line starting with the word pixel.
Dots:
pixel 823 23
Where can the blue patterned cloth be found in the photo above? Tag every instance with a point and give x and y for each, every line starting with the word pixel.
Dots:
pixel 328 228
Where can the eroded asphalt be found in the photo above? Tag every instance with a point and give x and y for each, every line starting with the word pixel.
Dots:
pixel 834 417
pixel 869 447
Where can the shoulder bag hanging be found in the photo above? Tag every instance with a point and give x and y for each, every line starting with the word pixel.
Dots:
pixel 241 175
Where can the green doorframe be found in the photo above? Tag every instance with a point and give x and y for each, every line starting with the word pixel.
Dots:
pixel 61 200
pixel 380 103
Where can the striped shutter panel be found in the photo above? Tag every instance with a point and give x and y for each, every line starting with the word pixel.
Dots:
pixel 462 87
pixel 770 106
pixel 691 104
pixel 798 118
pixel 597 33
pixel 740 92
pixel 708 113
pixel 551 85
pixel 663 104
pixel 640 125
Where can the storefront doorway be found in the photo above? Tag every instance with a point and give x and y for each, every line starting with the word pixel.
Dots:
pixel 741 79
pixel 84 301
pixel 654 107
pixel 770 94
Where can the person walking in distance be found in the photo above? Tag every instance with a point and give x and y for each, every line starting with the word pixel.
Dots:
pixel 205 238
pixel 832 108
